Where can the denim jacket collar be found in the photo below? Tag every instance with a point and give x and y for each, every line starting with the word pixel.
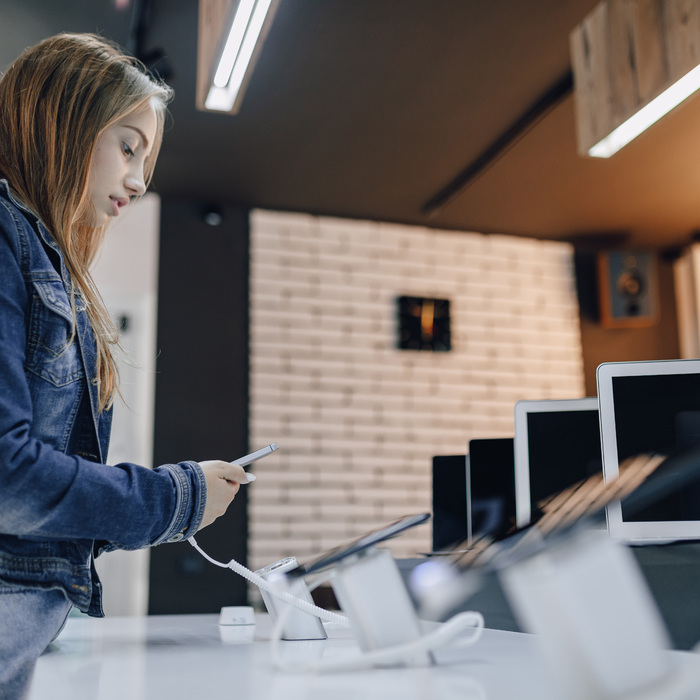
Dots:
pixel 34 218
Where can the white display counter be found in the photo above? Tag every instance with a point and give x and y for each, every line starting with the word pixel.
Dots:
pixel 191 657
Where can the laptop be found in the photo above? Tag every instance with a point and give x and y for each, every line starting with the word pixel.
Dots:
pixel 557 444
pixel 473 494
pixel 449 501
pixel 490 488
pixel 653 408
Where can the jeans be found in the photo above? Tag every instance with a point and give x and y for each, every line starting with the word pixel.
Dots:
pixel 29 621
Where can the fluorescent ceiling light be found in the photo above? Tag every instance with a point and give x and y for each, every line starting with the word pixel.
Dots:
pixel 246 29
pixel 645 117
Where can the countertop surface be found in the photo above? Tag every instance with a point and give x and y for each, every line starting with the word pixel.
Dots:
pixel 192 656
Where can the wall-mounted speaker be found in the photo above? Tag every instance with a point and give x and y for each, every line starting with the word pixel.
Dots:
pixel 628 288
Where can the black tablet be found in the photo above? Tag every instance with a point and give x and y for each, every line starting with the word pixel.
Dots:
pixel 338 553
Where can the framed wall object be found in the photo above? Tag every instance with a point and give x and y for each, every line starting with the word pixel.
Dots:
pixel 628 289
pixel 424 324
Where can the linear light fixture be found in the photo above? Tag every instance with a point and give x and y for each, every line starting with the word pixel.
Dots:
pixel 633 62
pixel 248 24
pixel 629 130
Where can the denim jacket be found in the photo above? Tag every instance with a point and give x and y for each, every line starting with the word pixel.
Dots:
pixel 60 504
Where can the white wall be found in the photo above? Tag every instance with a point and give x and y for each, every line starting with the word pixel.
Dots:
pixel 358 420
pixel 126 273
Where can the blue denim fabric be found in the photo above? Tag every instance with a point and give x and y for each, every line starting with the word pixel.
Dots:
pixel 29 621
pixel 59 503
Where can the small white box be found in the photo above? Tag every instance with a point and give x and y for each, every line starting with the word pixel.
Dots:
pixel 237 615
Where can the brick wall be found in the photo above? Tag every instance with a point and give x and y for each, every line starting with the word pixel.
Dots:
pixel 358 420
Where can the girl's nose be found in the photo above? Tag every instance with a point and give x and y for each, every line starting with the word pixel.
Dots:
pixel 135 183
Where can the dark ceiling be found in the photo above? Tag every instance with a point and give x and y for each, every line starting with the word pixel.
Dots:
pixel 371 108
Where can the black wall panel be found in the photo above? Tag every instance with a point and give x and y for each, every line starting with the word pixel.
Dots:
pixel 201 407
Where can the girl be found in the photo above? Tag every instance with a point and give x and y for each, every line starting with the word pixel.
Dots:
pixel 80 129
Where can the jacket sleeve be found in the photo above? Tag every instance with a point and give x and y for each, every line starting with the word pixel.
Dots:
pixel 47 494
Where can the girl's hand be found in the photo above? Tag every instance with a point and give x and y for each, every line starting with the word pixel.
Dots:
pixel 223 481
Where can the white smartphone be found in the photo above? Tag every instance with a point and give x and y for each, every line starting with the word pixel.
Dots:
pixel 255 456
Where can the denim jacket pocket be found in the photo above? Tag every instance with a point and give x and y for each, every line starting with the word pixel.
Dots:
pixel 52 348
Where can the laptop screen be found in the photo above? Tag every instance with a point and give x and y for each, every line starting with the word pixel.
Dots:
pixel 647 408
pixel 449 501
pixel 557 444
pixel 659 413
pixel 491 486
pixel 563 448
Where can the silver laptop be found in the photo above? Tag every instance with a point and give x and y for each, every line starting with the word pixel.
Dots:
pixel 557 444
pixel 645 408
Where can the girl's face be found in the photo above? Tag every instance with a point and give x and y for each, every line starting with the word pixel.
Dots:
pixel 117 171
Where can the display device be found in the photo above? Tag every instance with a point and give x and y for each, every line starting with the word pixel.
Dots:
pixel 490 487
pixel 557 444
pixel 653 407
pixel 358 545
pixel 450 524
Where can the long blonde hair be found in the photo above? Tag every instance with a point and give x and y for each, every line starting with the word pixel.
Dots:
pixel 55 101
